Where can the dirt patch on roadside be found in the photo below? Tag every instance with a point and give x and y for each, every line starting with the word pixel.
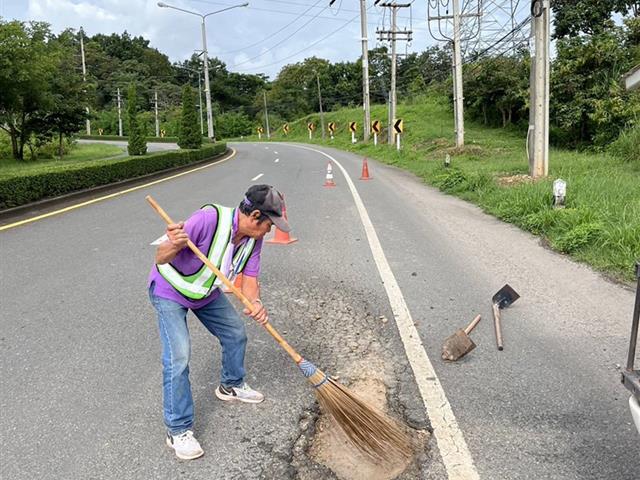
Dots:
pixel 514 180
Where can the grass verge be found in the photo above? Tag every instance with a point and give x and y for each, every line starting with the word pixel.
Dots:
pixel 599 226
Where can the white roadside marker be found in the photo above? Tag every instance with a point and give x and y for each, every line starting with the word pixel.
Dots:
pixel 256 177
pixel 451 443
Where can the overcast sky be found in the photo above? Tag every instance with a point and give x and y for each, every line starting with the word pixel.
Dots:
pixel 246 39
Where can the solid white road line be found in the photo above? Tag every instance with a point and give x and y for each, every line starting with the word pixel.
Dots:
pixel 257 177
pixel 116 194
pixel 453 447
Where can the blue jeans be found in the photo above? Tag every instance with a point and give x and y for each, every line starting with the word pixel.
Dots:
pixel 222 320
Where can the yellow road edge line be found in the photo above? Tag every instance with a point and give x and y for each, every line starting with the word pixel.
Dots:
pixel 112 195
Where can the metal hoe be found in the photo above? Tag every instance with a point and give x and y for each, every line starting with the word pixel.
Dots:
pixel 505 297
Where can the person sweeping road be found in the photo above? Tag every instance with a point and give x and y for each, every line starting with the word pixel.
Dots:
pixel 179 282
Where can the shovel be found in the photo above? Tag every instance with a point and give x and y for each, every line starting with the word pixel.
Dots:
pixel 459 344
pixel 505 297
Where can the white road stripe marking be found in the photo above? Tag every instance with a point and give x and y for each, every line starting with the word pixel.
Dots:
pixel 256 177
pixel 276 160
pixel 275 152
pixel 115 194
pixel 453 447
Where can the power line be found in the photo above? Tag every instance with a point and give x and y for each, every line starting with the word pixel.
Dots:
pixel 281 41
pixel 308 46
pixel 274 33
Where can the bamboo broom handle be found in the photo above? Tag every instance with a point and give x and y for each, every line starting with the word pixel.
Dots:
pixel 272 331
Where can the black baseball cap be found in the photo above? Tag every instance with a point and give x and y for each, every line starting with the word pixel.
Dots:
pixel 270 202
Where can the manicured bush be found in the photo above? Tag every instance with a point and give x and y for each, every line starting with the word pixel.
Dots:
pixel 18 190
pixel 137 135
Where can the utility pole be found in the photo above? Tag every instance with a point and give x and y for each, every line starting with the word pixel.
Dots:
pixel 200 103
pixel 365 72
pixel 84 77
pixel 457 77
pixel 266 114
pixel 392 36
pixel 119 115
pixel 539 91
pixel 320 102
pixel 156 108
pixel 207 88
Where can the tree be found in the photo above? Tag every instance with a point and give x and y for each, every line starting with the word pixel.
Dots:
pixel 190 136
pixel 68 106
pixel 575 17
pixel 233 124
pixel 137 141
pixel 27 68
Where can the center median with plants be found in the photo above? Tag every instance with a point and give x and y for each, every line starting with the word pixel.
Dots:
pixel 18 188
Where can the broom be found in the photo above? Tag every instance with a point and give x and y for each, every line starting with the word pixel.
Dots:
pixel 371 431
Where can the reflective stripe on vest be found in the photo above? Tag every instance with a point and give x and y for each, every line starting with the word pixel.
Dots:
pixel 202 283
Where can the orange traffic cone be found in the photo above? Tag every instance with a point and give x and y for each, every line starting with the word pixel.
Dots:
pixel 236 283
pixel 282 238
pixel 328 182
pixel 365 170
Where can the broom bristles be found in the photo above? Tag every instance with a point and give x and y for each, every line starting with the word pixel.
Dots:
pixel 371 431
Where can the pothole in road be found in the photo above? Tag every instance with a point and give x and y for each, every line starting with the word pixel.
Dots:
pixel 328 447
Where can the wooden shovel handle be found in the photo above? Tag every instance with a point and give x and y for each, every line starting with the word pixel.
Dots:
pixel 496 320
pixel 472 325
pixel 272 331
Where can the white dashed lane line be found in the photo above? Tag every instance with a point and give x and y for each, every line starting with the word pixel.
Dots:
pixel 276 160
pixel 257 177
pixel 453 447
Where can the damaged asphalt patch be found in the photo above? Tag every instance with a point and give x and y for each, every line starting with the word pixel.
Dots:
pixel 337 328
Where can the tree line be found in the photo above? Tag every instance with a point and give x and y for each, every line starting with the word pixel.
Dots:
pixel 43 95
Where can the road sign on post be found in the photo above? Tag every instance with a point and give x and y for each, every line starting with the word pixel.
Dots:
pixel 260 130
pixel 398 128
pixel 285 128
pixel 353 127
pixel 376 126
pixel 332 128
pixel 311 127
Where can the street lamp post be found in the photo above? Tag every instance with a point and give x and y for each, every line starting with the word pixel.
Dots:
pixel 205 58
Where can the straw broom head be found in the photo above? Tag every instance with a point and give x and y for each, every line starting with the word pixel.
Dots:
pixel 372 432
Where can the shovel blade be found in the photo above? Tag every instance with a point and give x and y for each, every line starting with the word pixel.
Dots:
pixel 457 346
pixel 505 297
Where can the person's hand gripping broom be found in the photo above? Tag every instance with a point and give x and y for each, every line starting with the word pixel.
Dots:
pixel 371 431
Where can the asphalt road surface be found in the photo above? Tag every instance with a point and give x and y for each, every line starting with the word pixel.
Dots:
pixel 80 393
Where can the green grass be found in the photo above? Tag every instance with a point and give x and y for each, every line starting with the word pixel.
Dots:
pixel 600 224
pixel 81 154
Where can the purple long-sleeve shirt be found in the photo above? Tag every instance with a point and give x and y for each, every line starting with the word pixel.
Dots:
pixel 200 227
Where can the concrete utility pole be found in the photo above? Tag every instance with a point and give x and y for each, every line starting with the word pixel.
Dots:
pixel 391 35
pixel 157 121
pixel 457 77
pixel 205 58
pixel 365 72
pixel 266 114
pixel 320 102
pixel 119 115
pixel 84 76
pixel 200 103
pixel 538 146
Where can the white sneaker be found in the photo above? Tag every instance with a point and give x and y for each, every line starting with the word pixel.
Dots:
pixel 243 393
pixel 185 445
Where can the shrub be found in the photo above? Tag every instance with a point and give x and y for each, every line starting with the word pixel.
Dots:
pixel 627 146
pixel 18 190
pixel 137 140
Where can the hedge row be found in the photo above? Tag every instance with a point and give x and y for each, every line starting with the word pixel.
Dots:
pixel 149 139
pixel 19 190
